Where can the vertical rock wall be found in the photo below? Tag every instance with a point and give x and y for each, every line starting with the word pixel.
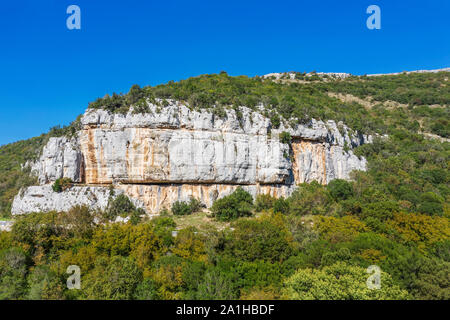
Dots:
pixel 171 154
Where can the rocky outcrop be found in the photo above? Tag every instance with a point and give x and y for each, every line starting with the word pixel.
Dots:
pixel 43 199
pixel 158 196
pixel 173 152
pixel 61 157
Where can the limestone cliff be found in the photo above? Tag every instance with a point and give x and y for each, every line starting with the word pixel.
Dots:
pixel 171 153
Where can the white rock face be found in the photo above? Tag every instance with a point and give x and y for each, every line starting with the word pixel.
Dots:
pixel 61 157
pixel 171 152
pixel 43 199
pixel 291 75
pixel 155 197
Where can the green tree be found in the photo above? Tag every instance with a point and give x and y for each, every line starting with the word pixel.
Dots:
pixel 311 198
pixel 340 281
pixel 217 285
pixel 264 202
pixel 120 206
pixel 13 270
pixel 114 279
pixel 146 290
pixel 285 137
pixel 431 203
pixel 181 208
pixel 45 284
pixel 340 189
pixel 266 238
pixel 238 204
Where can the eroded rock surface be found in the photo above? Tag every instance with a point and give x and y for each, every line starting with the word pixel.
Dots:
pixel 173 152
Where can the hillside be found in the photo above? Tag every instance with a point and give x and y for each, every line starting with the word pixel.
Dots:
pixel 360 177
pixel 401 105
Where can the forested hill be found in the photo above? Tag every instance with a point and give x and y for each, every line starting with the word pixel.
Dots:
pixel 395 215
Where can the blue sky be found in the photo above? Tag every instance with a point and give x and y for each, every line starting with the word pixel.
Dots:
pixel 48 73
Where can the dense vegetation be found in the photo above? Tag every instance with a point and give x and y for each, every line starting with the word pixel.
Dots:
pixel 219 91
pixel 316 244
pixel 181 208
pixel 12 176
pixel 322 254
pixel 14 164
pixel 426 95
pixel 414 89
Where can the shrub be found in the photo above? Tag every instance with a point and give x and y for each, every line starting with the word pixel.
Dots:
pixel 217 285
pixel 258 293
pixel 44 284
pixel 113 279
pixel 146 290
pixel 120 206
pixel 431 282
pixel 285 137
pixel 189 244
pixel 281 205
pixel 311 198
pixel 275 119
pixel 420 229
pixel 381 210
pixel 236 205
pixel 431 203
pixel 136 216
pixel 13 269
pixel 265 238
pixel 264 202
pixel 62 184
pixel 339 229
pixel 258 274
pixel 340 282
pixel 81 220
pixel 180 208
pixel 340 189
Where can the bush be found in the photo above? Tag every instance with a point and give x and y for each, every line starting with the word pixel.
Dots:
pixel 420 229
pixel 146 290
pixel 342 229
pixel 431 203
pixel 120 206
pixel 275 119
pixel 180 208
pixel 264 202
pixel 285 137
pixel 236 205
pixel 113 279
pixel 281 205
pixel 62 184
pixel 265 238
pixel 340 282
pixel 258 274
pixel 44 284
pixel 136 216
pixel 381 210
pixel 123 207
pixel 340 189
pixel 217 285
pixel 13 269
pixel 311 198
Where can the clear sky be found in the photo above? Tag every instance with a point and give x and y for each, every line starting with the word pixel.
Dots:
pixel 48 73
